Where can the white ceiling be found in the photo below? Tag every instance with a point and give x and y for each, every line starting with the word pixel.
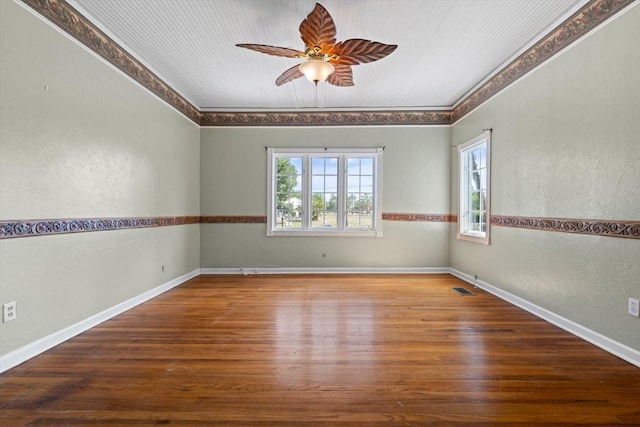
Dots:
pixel 445 47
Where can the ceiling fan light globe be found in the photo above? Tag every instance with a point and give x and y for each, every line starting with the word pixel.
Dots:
pixel 316 70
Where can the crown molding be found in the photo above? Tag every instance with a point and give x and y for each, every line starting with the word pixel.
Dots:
pixel 69 20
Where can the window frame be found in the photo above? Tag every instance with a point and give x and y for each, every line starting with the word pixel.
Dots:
pixel 464 177
pixel 307 155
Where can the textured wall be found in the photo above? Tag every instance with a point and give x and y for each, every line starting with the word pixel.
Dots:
pixel 77 139
pixel 415 180
pixel 566 144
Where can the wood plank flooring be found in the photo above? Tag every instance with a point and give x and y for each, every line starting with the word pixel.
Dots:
pixel 325 350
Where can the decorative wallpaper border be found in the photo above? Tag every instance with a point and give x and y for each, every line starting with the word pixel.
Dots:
pixel 28 228
pixel 31 228
pixel 327 118
pixel 234 219
pixel 419 217
pixel 71 21
pixel 582 22
pixel 627 229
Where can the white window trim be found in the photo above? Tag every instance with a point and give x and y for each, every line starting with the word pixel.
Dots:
pixel 463 233
pixel 273 153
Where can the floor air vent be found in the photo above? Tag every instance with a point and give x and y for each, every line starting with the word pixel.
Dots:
pixel 462 291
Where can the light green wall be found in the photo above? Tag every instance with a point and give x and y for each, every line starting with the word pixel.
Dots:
pixel 415 180
pixel 93 145
pixel 566 144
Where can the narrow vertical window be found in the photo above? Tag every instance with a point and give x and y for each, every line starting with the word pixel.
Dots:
pixel 473 212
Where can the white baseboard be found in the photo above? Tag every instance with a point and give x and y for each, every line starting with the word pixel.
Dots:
pixel 37 347
pixel 614 347
pixel 328 270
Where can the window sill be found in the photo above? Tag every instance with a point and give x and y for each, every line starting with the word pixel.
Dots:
pixel 323 233
pixel 477 238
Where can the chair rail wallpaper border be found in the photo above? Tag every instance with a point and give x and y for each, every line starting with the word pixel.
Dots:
pixel 69 20
pixel 42 227
pixel 419 217
pixel 233 219
pixel 608 228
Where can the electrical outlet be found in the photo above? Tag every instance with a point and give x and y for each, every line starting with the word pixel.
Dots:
pixel 634 307
pixel 163 268
pixel 9 312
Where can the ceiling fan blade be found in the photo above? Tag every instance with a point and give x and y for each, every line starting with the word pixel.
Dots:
pixel 342 76
pixel 273 50
pixel 318 29
pixel 289 75
pixel 359 51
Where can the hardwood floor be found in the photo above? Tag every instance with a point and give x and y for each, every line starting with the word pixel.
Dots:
pixel 323 350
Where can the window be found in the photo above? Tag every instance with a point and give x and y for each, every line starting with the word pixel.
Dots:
pixel 473 207
pixel 324 192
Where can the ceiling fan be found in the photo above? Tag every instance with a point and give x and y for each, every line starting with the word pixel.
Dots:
pixel 325 59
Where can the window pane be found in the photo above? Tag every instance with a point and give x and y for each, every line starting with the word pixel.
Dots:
pixel 352 201
pixel 366 202
pixel 366 221
pixel 331 184
pixel 317 165
pixel 359 218
pixel 317 183
pixel 289 210
pixel 297 183
pixel 331 166
pixel 323 212
pixel 482 157
pixel 483 179
pixel 475 181
pixel 366 166
pixel 475 159
pixel 296 162
pixel 475 201
pixel 331 201
pixel 353 166
pixel 366 183
pixel 353 184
